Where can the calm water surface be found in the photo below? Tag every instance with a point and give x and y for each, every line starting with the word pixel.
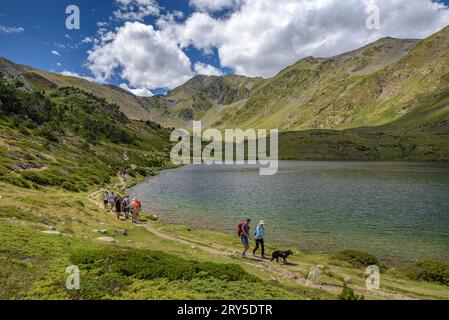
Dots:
pixel 398 211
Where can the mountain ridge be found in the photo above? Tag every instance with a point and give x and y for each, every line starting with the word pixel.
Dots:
pixel 371 86
pixel 174 108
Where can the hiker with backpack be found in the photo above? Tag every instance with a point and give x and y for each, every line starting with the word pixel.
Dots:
pixel 118 205
pixel 112 202
pixel 126 207
pixel 259 235
pixel 105 198
pixel 243 233
pixel 136 207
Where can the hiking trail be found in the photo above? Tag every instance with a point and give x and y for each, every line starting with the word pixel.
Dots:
pixel 226 252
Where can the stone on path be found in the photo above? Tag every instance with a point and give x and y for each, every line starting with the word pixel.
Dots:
pixel 53 232
pixel 106 239
pixel 122 232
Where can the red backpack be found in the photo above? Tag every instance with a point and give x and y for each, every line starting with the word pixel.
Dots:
pixel 240 227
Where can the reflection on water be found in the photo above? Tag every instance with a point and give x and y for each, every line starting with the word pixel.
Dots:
pixel 399 211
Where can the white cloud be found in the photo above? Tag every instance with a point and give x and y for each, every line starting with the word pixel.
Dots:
pixel 256 38
pixel 59 64
pixel 140 92
pixel 56 53
pixel 207 69
pixel 87 40
pixel 146 58
pixel 263 37
pixel 136 10
pixel 214 5
pixel 76 75
pixel 9 30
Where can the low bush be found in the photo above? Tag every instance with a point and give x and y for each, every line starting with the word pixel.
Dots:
pixel 431 271
pixel 16 212
pixel 348 294
pixel 358 259
pixel 70 186
pixel 43 178
pixel 131 173
pixel 149 265
pixel 17 181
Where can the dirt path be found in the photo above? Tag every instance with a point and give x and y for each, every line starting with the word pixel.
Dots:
pixel 267 265
pixel 226 252
pixel 93 196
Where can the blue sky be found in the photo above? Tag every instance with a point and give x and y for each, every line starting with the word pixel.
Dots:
pixel 210 37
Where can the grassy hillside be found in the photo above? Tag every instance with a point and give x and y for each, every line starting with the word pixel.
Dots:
pixel 387 100
pixel 385 85
pixel 132 106
pixel 372 86
pixel 349 91
pixel 162 261
pixel 70 138
pixel 61 146
pixel 199 97
pixel 58 148
pixel 421 135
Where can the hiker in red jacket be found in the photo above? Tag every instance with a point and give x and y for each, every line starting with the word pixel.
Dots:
pixel 136 207
pixel 243 233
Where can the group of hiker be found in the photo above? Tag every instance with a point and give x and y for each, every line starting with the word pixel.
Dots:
pixel 115 203
pixel 243 231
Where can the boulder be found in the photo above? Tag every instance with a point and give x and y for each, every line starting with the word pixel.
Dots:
pixel 51 228
pixel 53 232
pixel 102 231
pixel 107 239
pixel 122 232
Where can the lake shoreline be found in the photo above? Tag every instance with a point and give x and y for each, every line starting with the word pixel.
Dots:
pixel 175 217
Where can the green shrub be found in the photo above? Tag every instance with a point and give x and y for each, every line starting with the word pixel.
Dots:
pixel 17 181
pixel 96 288
pixel 348 294
pixel 149 265
pixel 431 271
pixel 142 171
pixel 70 186
pixel 358 259
pixel 131 173
pixel 16 212
pixel 43 178
pixel 48 132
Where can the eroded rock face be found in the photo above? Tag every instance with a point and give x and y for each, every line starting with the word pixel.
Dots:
pixel 28 166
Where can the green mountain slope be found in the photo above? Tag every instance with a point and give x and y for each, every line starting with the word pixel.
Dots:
pixel 200 97
pixel 394 89
pixel 132 106
pixel 72 139
pixel 352 90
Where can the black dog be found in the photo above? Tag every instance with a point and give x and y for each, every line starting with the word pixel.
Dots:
pixel 281 254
